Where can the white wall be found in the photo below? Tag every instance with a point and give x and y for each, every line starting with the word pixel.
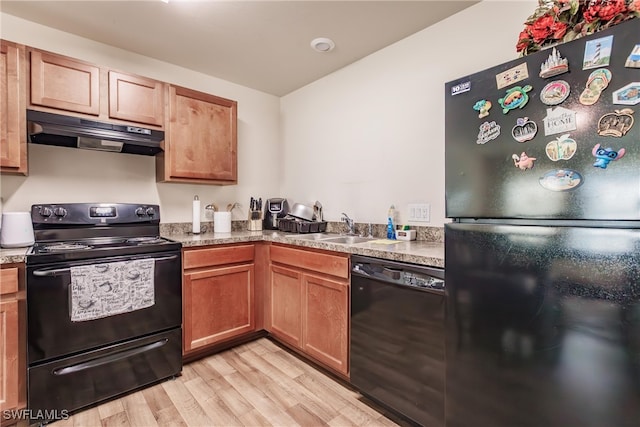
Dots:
pixel 59 174
pixel 372 134
pixel 363 138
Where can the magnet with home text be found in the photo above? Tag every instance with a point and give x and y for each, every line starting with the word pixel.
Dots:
pixel 524 130
pixel 559 120
pixel 627 95
pixel 523 161
pixel 487 132
pixel 516 97
pixel 561 148
pixel 633 60
pixel 616 124
pixel 554 65
pixel 555 92
pixel 604 156
pixel 560 180
pixel 482 107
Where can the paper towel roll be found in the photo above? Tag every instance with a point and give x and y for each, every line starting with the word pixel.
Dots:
pixel 195 219
pixel 222 222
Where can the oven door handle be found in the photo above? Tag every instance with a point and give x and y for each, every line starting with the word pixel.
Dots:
pixel 56 271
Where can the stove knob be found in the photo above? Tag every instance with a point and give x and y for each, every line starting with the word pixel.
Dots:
pixel 46 212
pixel 151 211
pixel 140 212
pixel 60 212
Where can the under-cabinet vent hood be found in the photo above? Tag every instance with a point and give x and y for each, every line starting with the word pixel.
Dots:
pixel 68 131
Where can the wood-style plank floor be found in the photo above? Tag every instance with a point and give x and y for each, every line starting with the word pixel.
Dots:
pixel 255 384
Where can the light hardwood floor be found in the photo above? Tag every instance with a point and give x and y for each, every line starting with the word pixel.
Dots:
pixel 255 384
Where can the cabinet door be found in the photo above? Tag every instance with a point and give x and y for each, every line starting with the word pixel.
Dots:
pixel 13 141
pixel 325 323
pixel 202 141
pixel 8 354
pixel 286 305
pixel 218 305
pixel 64 84
pixel 136 99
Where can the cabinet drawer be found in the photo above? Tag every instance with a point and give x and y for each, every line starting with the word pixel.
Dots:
pixel 334 265
pixel 8 280
pixel 211 256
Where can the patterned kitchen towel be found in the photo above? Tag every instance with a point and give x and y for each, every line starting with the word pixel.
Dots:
pixel 101 290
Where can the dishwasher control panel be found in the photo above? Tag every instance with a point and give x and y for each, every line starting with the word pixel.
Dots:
pixel 398 275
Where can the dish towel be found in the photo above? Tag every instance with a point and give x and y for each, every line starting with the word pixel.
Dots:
pixel 102 290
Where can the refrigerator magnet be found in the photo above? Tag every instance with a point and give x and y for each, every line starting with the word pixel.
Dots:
pixel 561 148
pixel 523 161
pixel 555 92
pixel 633 60
pixel 604 156
pixel 559 120
pixel 482 107
pixel 597 82
pixel 487 132
pixel 627 95
pixel 524 130
pixel 597 53
pixel 516 97
pixel 560 180
pixel 512 75
pixel 554 65
pixel 616 124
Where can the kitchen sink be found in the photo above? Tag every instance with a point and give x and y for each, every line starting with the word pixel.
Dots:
pixel 312 236
pixel 348 240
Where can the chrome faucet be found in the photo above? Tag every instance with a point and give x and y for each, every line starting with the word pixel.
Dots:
pixel 349 222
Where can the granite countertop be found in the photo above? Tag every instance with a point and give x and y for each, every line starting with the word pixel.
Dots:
pixel 416 252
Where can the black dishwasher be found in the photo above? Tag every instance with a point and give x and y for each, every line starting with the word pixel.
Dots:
pixel 397 337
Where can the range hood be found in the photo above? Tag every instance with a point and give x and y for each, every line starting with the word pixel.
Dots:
pixel 68 131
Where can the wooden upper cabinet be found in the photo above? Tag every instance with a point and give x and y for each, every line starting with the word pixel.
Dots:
pixel 82 89
pixel 13 125
pixel 136 99
pixel 64 83
pixel 201 140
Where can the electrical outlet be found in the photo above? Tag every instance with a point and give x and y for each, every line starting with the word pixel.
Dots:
pixel 419 212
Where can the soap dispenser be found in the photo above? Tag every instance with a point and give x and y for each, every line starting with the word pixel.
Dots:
pixel 391 233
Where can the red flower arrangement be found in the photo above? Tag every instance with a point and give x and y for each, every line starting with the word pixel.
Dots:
pixel 557 21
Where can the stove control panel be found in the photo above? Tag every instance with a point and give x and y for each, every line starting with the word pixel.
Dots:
pixel 93 213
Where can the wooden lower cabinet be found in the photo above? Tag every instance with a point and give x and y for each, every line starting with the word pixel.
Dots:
pixel 286 305
pixel 218 299
pixel 12 338
pixel 309 304
pixel 326 321
pixel 9 354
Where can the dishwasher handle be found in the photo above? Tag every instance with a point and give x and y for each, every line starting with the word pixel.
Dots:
pixel 410 278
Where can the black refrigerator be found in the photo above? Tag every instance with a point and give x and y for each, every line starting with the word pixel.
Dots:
pixel 542 254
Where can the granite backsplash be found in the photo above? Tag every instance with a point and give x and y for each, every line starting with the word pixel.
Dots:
pixel 427 234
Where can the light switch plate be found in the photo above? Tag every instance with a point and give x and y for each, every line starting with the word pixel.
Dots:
pixel 419 212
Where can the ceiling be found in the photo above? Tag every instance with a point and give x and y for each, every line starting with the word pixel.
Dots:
pixel 264 45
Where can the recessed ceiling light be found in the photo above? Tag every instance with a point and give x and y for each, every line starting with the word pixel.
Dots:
pixel 322 44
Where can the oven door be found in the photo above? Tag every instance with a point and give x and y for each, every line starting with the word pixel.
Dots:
pixel 51 332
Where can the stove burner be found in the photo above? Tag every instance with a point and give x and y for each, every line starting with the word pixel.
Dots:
pixel 145 240
pixel 65 247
